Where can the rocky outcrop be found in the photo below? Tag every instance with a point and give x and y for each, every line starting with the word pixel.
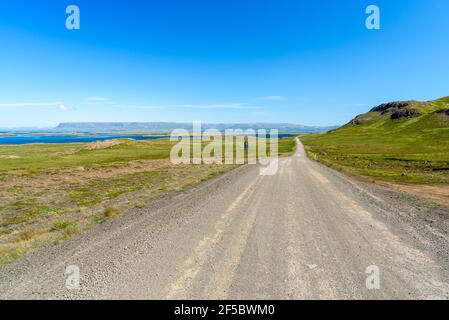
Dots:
pixel 357 121
pixel 443 112
pixel 405 113
pixel 360 119
pixel 391 106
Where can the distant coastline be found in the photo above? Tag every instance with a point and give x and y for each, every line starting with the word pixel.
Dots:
pixel 51 138
pixel 158 128
pixel 85 132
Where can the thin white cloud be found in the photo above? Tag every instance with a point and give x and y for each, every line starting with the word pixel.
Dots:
pixel 96 99
pixel 220 106
pixel 272 98
pixel 30 105
pixel 59 105
pixel 138 107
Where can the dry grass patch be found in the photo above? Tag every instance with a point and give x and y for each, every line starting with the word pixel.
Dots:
pixel 29 234
pixel 111 212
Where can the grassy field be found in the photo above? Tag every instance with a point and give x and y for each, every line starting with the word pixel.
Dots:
pixel 407 150
pixel 50 192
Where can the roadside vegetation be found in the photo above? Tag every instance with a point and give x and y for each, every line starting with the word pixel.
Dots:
pixel 401 142
pixel 49 192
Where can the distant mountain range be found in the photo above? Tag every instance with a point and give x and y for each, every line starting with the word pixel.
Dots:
pixel 166 127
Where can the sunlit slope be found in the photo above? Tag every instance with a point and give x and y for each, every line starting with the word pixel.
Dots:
pixel 402 141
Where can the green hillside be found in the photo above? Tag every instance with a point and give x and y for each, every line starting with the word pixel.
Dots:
pixel 404 141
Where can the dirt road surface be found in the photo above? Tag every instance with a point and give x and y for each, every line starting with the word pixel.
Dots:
pixel 307 232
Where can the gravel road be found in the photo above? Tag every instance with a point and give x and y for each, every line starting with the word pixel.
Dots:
pixel 307 232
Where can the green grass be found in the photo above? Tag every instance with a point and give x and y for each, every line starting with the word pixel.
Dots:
pixel 82 183
pixel 29 159
pixel 9 253
pixel 413 150
pixel 100 190
pixel 32 158
pixel 287 146
pixel 62 225
pixel 67 233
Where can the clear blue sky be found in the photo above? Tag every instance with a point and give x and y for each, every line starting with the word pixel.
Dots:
pixel 309 62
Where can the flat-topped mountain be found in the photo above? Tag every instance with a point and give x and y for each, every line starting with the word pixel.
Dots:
pixel 166 127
